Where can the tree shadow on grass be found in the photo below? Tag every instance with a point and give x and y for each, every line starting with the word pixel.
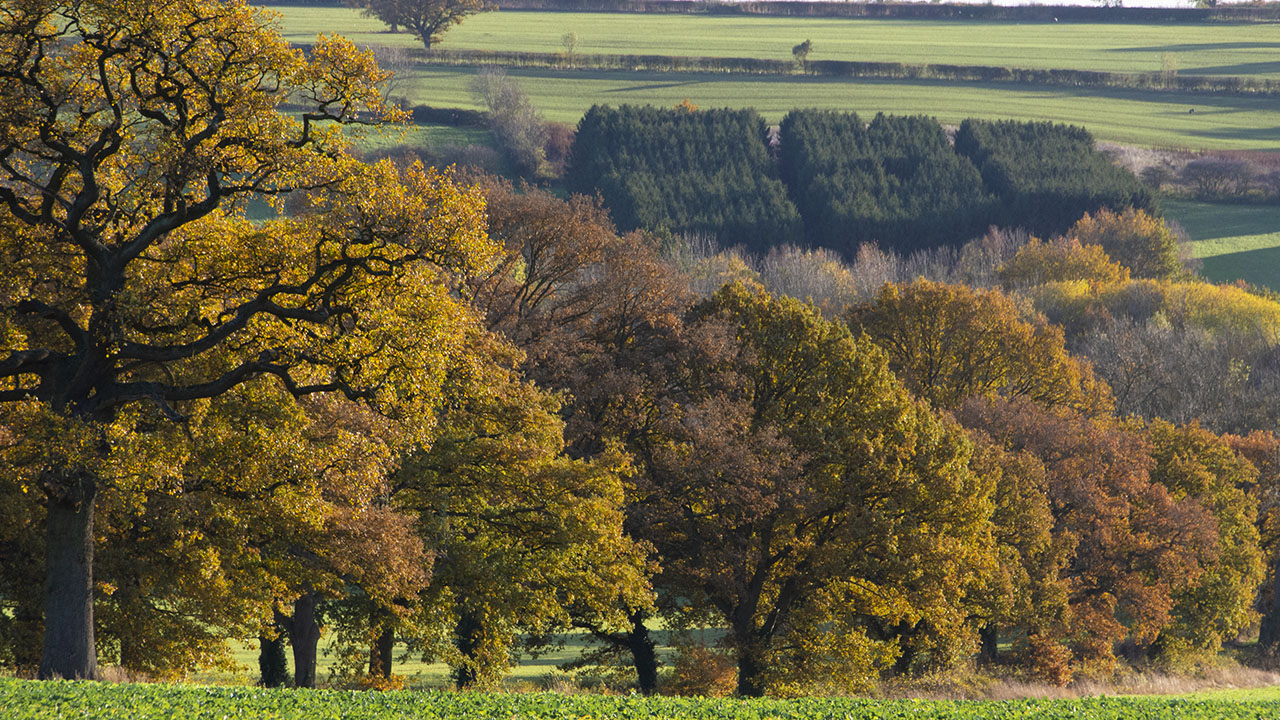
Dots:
pixel 1201 47
pixel 1253 68
pixel 1261 135
pixel 1259 267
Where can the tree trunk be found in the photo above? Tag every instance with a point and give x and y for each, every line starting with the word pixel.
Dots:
pixel 989 636
pixel 467 640
pixel 304 636
pixel 750 669
pixel 643 655
pixel 69 649
pixel 272 663
pixel 380 653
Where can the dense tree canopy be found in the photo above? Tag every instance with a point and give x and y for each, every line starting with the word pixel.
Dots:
pixel 705 172
pixel 948 343
pixel 895 181
pixel 1134 543
pixel 1046 175
pixel 810 492
pixel 130 135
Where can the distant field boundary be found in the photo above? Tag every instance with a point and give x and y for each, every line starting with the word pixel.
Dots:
pixel 914 11
pixel 1153 81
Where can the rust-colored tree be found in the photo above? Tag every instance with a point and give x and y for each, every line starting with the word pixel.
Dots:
pixel 1133 543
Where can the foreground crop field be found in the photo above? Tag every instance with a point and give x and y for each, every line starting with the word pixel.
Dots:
pixel 1218 49
pixel 28 700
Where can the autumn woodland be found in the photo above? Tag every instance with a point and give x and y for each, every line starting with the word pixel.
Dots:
pixel 833 404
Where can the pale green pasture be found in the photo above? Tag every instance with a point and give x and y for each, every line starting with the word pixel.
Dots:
pixel 1208 49
pixel 418 136
pixel 528 672
pixel 1258 694
pixel 1233 241
pixel 1126 116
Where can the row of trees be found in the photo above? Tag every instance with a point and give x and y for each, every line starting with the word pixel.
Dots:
pixel 456 417
pixel 896 181
pixel 802 484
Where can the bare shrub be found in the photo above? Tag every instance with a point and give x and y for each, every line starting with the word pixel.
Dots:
pixel 1218 176
pixel 398 61
pixel 558 146
pixel 817 276
pixel 516 124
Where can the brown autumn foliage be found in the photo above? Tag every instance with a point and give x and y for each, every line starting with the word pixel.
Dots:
pixel 1134 239
pixel 1132 542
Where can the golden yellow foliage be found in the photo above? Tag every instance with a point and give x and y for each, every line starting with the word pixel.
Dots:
pixel 1060 260
pixel 1132 238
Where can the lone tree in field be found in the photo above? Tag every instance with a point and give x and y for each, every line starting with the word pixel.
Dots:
pixel 134 290
pixel 426 19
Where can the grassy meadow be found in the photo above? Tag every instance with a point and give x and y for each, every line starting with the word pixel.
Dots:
pixel 419 136
pixel 1233 241
pixel 1127 116
pixel 1218 49
pixel 529 673
pixel 1158 119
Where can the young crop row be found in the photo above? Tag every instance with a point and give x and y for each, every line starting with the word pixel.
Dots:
pixel 27 700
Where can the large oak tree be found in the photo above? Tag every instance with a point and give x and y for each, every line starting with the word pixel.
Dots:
pixel 829 520
pixel 132 136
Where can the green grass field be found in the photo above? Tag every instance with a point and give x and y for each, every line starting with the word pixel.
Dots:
pixel 1233 241
pixel 1126 116
pixel 529 673
pixel 422 136
pixel 1217 49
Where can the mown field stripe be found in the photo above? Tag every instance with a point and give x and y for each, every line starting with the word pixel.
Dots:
pixel 1247 50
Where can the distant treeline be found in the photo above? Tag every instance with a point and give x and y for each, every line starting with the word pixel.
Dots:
pixel 897 181
pixel 1034 13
